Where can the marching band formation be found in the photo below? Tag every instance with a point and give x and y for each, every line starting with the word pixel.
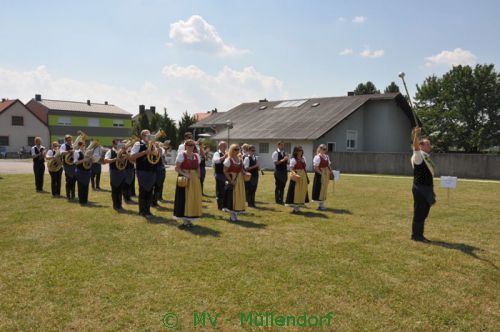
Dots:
pixel 236 172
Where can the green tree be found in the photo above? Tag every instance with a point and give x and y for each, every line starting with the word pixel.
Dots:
pixel 461 110
pixel 392 88
pixel 184 123
pixel 156 122
pixel 367 88
pixel 170 128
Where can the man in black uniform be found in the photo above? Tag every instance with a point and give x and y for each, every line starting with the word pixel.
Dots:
pixel 146 172
pixel 220 178
pixel 280 159
pixel 116 177
pixel 69 169
pixel 251 164
pixel 38 155
pixel 423 187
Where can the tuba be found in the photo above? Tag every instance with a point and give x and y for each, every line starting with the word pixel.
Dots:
pixel 121 160
pixel 152 157
pixel 68 158
pixel 88 159
pixel 56 163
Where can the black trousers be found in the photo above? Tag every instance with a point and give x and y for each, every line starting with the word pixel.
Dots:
pixel 95 178
pixel 70 186
pixel 83 192
pixel 39 170
pixel 251 189
pixel 219 191
pixel 132 187
pixel 116 195
pixel 421 208
pixel 126 191
pixel 55 182
pixel 145 200
pixel 280 178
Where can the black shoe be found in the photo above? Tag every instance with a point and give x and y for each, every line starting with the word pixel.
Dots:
pixel 425 240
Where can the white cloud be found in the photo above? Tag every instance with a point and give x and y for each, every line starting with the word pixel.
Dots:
pixel 452 58
pixel 227 88
pixel 347 51
pixel 367 53
pixel 359 19
pixel 198 34
pixel 186 88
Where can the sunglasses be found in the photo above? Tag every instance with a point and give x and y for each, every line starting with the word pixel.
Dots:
pixel 236 149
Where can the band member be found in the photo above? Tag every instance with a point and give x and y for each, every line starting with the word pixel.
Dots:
pixel 204 150
pixel 251 165
pixel 322 174
pixel 244 150
pixel 82 175
pixel 188 135
pixel 220 179
pixel 187 204
pixel 55 177
pixel 423 184
pixel 160 176
pixel 116 177
pixel 129 183
pixel 69 170
pixel 280 159
pixel 38 155
pixel 234 191
pixel 95 171
pixel 297 195
pixel 146 174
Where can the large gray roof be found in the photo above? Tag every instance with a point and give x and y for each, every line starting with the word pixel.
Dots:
pixel 74 106
pixel 304 122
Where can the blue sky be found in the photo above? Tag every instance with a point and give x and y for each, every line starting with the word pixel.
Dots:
pixel 196 55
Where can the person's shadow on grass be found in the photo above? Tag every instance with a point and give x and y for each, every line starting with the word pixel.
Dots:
pixel 248 224
pixel 200 230
pixel 465 248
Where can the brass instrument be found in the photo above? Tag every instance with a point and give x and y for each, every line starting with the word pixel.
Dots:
pixel 56 163
pixel 88 158
pixel 68 158
pixel 121 158
pixel 152 157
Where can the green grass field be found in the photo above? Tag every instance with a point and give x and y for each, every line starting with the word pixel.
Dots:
pixel 66 267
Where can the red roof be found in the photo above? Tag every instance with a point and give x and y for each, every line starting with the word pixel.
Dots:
pixel 6 104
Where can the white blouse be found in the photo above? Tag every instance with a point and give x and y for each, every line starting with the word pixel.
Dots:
pixel 317 160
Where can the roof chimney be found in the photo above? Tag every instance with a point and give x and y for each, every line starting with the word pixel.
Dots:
pixel 105 103
pixel 152 109
pixel 3 99
pixel 142 108
pixel 263 100
pixel 88 102
pixel 350 93
pixel 38 97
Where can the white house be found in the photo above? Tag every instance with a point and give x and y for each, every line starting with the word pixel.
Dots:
pixel 19 126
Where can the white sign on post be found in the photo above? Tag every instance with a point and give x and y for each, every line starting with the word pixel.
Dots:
pixel 336 176
pixel 449 182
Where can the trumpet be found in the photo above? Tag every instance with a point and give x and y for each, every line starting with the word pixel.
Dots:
pixel 56 163
pixel 153 156
pixel 68 158
pixel 121 158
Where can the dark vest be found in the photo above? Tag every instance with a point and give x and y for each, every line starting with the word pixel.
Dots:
pixel 68 147
pixel 282 166
pixel 142 163
pixel 219 168
pixel 113 165
pixel 253 162
pixel 422 175
pixel 38 160
pixel 80 157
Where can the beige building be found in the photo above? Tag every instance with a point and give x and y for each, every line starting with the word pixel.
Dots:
pixel 19 126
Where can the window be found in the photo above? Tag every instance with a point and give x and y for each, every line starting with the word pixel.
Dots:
pixel 64 121
pixel 288 147
pixel 117 123
pixel 332 147
pixel 17 121
pixel 31 140
pixel 263 147
pixel 352 137
pixel 4 140
pixel 93 122
pixel 290 103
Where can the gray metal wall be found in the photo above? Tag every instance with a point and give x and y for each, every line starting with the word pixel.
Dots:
pixel 474 166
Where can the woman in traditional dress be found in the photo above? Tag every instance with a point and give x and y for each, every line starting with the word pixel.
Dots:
pixel 187 204
pixel 297 195
pixel 322 174
pixel 234 191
